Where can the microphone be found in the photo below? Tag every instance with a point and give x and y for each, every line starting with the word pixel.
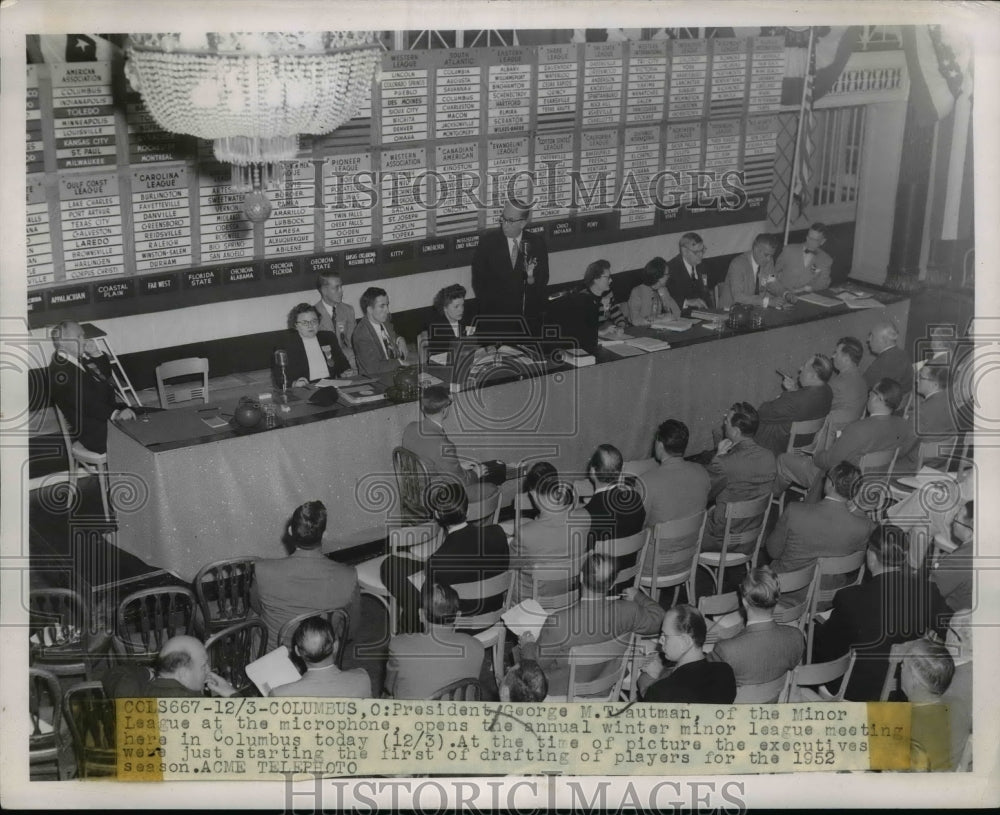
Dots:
pixel 281 360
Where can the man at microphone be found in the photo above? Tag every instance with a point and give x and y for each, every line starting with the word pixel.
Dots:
pixel 510 273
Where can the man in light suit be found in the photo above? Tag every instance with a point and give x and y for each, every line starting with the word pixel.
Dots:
pixel 751 276
pixel 306 580
pixel 686 283
pixel 676 488
pixel 510 273
pixel 335 315
pixel 427 439
pixel 420 664
pixel 81 386
pixel 316 644
pixel 805 267
pixel 763 650
pixel 377 349
pixel 831 528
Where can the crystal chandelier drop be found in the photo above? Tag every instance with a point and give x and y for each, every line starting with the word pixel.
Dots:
pixel 252 94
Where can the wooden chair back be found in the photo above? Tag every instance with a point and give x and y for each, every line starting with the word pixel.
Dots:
pixel 222 589
pixel 235 647
pixel 90 716
pixel 146 619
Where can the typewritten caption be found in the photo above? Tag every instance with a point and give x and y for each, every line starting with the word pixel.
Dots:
pixel 216 739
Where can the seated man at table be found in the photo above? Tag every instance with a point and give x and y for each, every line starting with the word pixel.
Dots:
pixel 685 281
pixel 81 385
pixel 805 267
pixel 335 315
pixel 556 540
pixel 593 618
pixel 306 580
pixel 690 677
pixel 376 347
pixel 315 643
pixel 675 488
pixel 750 274
pixel 469 553
pixel 427 439
pixel 180 670
pixel 879 431
pixel 740 470
pixel 420 664
pixel 807 396
pixel 763 650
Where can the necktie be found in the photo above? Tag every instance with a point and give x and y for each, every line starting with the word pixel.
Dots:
pixel 389 351
pixel 756 282
pixel 514 251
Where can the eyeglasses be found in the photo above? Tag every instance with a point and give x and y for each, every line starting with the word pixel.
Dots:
pixel 307 323
pixel 505 220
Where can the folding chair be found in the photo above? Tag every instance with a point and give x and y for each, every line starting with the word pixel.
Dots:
pixel 673 556
pixel 177 395
pixel 822 599
pixel 738 510
pixel 818 675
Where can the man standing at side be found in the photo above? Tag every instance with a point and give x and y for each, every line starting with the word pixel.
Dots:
pixel 751 276
pixel 510 273
pixel 685 281
pixel 80 379
pixel 335 315
pixel 806 397
pixel 805 267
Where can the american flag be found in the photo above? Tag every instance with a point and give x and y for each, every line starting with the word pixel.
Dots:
pixel 801 183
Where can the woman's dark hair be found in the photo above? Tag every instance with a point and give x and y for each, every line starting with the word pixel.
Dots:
pixel 444 297
pixel 297 311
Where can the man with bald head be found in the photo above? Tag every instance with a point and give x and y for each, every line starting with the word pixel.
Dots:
pixel 316 644
pixel 82 388
pixel 891 361
pixel 181 670
pixel 510 272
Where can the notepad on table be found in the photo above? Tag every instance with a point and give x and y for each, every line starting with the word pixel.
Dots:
pixel 649 343
pixel 674 324
pixel 863 302
pixel 527 617
pixel 574 356
pixel 215 422
pixel 819 299
pixel 272 670
pixel 360 394
pixel 623 349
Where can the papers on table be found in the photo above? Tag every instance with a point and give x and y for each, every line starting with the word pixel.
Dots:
pixel 648 343
pixel 360 394
pixel 863 302
pixel 711 315
pixel 819 299
pixel 272 670
pixel 674 324
pixel 574 356
pixel 927 475
pixel 527 616
pixel 623 349
pixel 215 422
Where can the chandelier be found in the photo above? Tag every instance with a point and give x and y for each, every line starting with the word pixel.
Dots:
pixel 252 94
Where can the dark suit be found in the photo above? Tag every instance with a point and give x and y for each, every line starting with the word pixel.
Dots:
pixel 889 608
pixel 501 287
pixel 578 316
pixel 304 581
pixel 420 664
pixel 746 471
pixel 442 339
pixel 700 682
pixel 893 363
pixel 370 351
pixel 615 513
pixel 428 440
pixel 776 416
pixel 297 366
pixel 681 286
pixel 87 399
pixel 761 652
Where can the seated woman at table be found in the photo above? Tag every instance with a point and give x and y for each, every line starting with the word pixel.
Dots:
pixel 650 299
pixel 312 354
pixel 450 330
pixel 592 312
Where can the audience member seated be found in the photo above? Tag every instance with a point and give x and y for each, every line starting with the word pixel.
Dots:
pixel 676 488
pixel 524 682
pixel 685 281
pixel 850 391
pixel 420 664
pixel 690 677
pixel 335 315
pixel 750 279
pixel 805 267
pixel 806 397
pixel 891 607
pixel 891 361
pixel 740 470
pixel 595 617
pixel 180 670
pixel 82 388
pixel 926 675
pixel 315 643
pixel 952 573
pixel 312 354
pixel 590 313
pixel 536 473
pixel 306 580
pixel 376 347
pixel 650 299
pixel 468 553
pixel 831 528
pixel 451 331
pixel 615 509
pixel 556 540
pixel 427 439
pixel 935 414
pixel 879 431
pixel 763 650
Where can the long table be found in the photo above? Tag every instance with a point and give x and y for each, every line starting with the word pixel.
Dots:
pixel 187 495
